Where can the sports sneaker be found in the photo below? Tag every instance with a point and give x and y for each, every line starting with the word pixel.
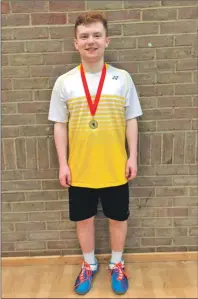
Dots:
pixel 119 278
pixel 84 279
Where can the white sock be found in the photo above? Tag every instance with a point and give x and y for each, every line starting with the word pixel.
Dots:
pixel 116 257
pixel 89 257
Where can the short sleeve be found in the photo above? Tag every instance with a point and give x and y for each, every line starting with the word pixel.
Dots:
pixel 58 111
pixel 133 107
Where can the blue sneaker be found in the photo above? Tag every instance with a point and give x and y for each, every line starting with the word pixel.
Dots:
pixel 119 278
pixel 85 277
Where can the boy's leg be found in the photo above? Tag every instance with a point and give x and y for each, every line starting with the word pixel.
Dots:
pixel 83 204
pixel 86 237
pixel 115 202
pixel 118 232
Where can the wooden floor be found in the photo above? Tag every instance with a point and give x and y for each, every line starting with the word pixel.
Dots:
pixel 147 280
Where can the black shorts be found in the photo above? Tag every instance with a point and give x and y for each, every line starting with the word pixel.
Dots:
pixel 83 202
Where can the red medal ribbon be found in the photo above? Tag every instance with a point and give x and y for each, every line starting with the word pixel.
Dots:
pixel 93 106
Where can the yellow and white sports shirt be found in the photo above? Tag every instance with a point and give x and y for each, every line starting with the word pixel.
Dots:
pixel 97 157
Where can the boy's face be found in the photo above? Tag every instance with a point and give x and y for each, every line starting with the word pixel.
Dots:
pixel 91 41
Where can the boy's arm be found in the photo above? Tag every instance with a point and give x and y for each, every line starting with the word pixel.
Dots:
pixel 132 141
pixel 61 142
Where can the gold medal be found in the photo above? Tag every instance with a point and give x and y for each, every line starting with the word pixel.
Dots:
pixel 93 124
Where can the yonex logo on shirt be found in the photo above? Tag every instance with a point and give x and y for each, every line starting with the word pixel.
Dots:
pixel 115 77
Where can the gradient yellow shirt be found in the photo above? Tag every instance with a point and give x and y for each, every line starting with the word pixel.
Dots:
pixel 97 157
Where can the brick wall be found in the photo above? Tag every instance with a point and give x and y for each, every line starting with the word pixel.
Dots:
pixel 156 41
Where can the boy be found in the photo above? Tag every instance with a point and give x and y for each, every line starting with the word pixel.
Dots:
pixel 94 107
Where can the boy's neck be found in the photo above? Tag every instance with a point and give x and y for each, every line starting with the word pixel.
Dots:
pixel 95 67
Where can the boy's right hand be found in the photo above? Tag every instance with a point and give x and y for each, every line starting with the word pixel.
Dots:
pixel 65 176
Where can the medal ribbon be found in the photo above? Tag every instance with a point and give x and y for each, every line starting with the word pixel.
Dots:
pixel 93 106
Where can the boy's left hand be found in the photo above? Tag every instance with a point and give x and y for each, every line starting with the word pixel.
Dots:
pixel 131 168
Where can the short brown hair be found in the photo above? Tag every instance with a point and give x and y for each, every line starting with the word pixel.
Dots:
pixel 91 17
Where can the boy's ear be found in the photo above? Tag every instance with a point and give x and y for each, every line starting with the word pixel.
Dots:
pixel 75 43
pixel 107 42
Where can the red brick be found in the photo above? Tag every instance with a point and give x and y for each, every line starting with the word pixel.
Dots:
pixel 155 41
pixel 195 125
pixel 5 7
pixel 114 29
pixel 173 53
pixel 179 146
pixel 171 191
pixel 20 153
pixel 16 96
pixel 61 32
pixel 12 47
pixel 36 130
pixel 122 43
pixel 182 89
pixel 187 64
pixel 105 5
pixel 148 103
pixel 183 113
pixel 159 14
pixel 141 4
pixel 186 39
pixel 145 153
pixel 44 46
pixel 147 126
pixel 156 90
pixel 29 6
pixel 42 95
pixel 31 160
pixel 136 55
pixel 123 15
pixel 167 148
pixel 10 132
pixel 157 114
pixel 40 174
pixel 6 84
pixel 188 13
pixel 8 108
pixel 51 185
pixel 140 29
pixel 9 154
pixel 11 120
pixel 2 154
pixel 177 2
pixel 166 65
pixel 15 72
pixel 156 142
pixel 130 67
pixel 61 58
pixel 178 77
pixel 15 20
pixel 47 71
pixel 53 160
pixel 31 83
pixel 4 60
pixel 30 33
pixel 178 27
pixel 173 125
pixel 26 59
pixel 174 101
pixel 21 185
pixel 49 18
pixel 6 34
pixel 57 5
pixel 142 79
pixel 33 107
pixel 195 100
